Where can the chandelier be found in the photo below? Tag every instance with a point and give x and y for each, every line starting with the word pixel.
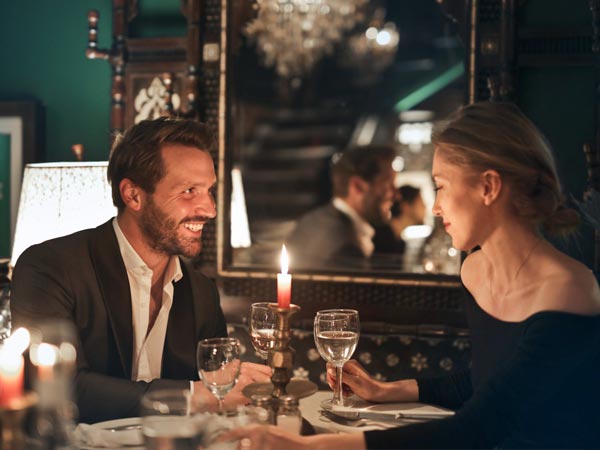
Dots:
pixel 370 51
pixel 293 35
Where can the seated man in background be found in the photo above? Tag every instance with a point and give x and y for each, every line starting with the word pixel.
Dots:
pixel 340 233
pixel 138 305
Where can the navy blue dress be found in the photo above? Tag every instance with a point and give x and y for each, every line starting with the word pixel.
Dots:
pixel 532 384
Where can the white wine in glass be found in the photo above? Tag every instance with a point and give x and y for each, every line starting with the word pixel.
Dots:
pixel 219 365
pixel 336 337
pixel 263 322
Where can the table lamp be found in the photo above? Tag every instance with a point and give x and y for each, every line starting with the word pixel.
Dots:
pixel 58 199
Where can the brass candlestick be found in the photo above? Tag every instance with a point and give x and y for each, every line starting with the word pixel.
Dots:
pixel 281 356
pixel 281 360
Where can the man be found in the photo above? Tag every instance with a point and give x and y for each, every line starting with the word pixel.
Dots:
pixel 340 233
pixel 139 308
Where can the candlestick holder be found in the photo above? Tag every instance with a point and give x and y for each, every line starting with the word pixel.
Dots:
pixel 281 360
pixel 12 421
pixel 281 356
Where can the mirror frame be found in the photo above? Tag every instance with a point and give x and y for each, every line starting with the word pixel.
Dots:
pixel 489 51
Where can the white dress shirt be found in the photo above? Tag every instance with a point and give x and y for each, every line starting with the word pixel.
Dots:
pixel 147 346
pixel 364 231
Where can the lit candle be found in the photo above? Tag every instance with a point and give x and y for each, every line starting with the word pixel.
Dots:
pixel 11 366
pixel 284 282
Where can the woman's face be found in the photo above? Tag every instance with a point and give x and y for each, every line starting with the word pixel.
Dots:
pixel 458 202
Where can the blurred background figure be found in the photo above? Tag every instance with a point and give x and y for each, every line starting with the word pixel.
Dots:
pixel 341 231
pixel 408 209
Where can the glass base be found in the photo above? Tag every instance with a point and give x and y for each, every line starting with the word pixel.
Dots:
pixel 330 403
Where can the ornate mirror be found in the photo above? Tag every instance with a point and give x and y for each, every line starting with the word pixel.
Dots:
pixel 300 82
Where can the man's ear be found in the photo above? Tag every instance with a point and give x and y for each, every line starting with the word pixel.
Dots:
pixel 491 185
pixel 357 185
pixel 131 194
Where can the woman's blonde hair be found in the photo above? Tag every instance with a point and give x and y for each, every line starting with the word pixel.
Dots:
pixel 498 136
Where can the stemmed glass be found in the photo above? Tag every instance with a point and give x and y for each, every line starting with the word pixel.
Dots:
pixel 336 336
pixel 263 322
pixel 219 365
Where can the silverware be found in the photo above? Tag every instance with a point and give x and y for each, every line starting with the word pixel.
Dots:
pixel 125 427
pixel 381 415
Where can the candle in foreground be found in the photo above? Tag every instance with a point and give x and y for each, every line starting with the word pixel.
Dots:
pixel 11 366
pixel 284 282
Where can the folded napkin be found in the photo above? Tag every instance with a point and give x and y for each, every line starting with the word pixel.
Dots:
pixel 89 435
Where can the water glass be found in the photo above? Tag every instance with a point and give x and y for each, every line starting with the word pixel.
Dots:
pixel 263 322
pixel 336 336
pixel 219 365
pixel 167 422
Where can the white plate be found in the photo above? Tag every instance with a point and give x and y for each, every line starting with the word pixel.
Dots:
pixel 398 410
pixel 117 425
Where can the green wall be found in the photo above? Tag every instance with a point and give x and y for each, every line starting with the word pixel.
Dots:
pixel 42 49
pixel 561 101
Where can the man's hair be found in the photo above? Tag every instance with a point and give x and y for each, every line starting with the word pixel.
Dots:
pixel 366 162
pixel 136 154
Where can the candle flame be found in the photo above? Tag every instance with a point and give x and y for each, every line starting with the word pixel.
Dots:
pixel 18 341
pixel 284 260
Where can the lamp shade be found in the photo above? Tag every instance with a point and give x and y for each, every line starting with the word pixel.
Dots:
pixel 58 199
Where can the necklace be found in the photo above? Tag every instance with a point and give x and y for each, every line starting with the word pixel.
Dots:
pixel 512 282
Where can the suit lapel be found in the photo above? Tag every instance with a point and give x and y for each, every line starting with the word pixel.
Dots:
pixel 180 340
pixel 114 287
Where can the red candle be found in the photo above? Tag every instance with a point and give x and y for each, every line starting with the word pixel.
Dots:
pixel 11 376
pixel 11 366
pixel 284 282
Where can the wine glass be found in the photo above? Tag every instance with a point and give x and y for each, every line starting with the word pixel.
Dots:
pixel 167 421
pixel 219 365
pixel 263 322
pixel 336 336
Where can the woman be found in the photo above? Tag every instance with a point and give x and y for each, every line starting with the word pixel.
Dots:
pixel 534 312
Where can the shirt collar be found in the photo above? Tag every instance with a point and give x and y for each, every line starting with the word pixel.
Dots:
pixel 134 263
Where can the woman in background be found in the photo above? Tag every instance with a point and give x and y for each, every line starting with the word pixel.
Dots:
pixel 533 311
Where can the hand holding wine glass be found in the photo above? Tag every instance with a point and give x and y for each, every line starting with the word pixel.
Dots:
pixel 263 322
pixel 219 365
pixel 336 337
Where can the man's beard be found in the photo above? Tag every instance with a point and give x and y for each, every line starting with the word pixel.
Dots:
pixel 374 214
pixel 161 232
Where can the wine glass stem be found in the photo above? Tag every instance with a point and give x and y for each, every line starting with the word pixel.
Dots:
pixel 220 399
pixel 337 392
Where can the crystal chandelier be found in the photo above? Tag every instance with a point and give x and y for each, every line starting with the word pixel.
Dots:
pixel 293 35
pixel 371 51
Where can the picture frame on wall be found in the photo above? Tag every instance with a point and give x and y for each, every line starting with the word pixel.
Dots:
pixel 21 142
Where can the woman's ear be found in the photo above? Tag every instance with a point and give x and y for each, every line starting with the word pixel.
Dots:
pixel 131 194
pixel 492 186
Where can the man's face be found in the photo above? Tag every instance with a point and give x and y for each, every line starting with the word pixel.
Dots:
pixel 379 198
pixel 173 217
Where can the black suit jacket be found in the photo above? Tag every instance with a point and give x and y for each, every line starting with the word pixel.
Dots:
pixel 324 237
pixel 82 278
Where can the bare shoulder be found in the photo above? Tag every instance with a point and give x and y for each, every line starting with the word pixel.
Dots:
pixel 569 286
pixel 473 270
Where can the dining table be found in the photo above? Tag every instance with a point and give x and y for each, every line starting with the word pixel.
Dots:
pixel 316 418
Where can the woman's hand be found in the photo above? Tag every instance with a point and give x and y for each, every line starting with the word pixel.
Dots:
pixel 264 437
pixel 356 380
pixel 269 437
